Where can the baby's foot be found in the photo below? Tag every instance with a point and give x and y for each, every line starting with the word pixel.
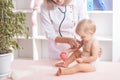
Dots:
pixel 58 72
pixel 61 64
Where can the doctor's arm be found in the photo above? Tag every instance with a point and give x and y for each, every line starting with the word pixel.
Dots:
pixel 71 41
pixel 82 14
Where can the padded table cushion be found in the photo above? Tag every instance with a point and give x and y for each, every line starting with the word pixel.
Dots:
pixel 45 70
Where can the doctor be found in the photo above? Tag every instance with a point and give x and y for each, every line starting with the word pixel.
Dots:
pixel 59 19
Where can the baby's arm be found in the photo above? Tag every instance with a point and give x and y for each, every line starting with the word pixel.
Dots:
pixel 63 54
pixel 95 50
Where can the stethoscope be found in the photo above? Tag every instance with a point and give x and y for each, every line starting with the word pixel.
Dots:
pixel 64 12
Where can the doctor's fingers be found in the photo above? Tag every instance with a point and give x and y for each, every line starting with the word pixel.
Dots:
pixel 73 43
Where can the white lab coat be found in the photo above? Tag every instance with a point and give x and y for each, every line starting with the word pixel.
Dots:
pixel 50 21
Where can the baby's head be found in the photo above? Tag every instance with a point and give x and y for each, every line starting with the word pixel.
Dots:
pixel 86 29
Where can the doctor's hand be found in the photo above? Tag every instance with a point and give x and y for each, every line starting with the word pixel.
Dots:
pixel 71 41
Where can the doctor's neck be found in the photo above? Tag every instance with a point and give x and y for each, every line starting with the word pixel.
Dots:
pixel 59 2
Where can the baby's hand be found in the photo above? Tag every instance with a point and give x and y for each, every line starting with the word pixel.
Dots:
pixel 79 60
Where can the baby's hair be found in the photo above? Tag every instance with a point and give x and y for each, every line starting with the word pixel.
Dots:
pixel 87 24
pixel 50 4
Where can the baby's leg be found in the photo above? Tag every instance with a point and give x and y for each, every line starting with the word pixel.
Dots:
pixel 84 67
pixel 63 54
pixel 72 58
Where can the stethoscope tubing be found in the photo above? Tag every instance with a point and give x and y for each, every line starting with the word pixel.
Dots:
pixel 62 19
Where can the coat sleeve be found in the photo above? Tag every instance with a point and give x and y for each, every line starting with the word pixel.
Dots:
pixel 46 23
pixel 82 10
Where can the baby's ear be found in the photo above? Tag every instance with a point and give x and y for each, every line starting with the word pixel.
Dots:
pixel 91 32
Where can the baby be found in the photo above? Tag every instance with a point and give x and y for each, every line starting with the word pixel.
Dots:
pixel 88 56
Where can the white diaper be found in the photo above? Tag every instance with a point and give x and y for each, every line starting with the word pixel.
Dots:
pixel 95 63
